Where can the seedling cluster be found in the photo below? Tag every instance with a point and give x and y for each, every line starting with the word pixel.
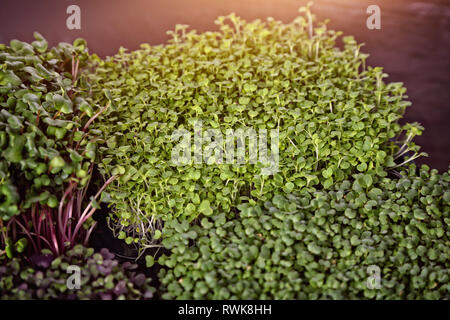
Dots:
pixel 345 215
pixel 334 115
pixel 319 244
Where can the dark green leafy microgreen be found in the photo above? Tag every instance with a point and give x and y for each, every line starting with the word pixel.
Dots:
pixel 40 113
pixel 319 244
pixel 47 146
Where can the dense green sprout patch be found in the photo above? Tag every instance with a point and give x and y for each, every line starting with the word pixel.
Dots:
pixel 102 277
pixel 43 142
pixel 334 115
pixel 320 244
pixel 320 224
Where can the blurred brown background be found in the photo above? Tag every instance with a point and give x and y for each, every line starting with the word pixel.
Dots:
pixel 412 45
